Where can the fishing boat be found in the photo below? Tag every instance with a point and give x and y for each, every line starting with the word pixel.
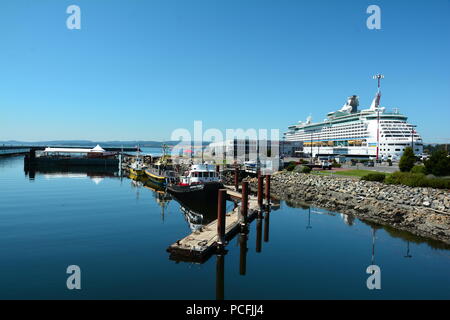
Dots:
pixel 199 183
pixel 161 172
pixel 137 167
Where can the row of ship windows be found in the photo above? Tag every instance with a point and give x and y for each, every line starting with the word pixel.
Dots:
pixel 344 127
pixel 334 132
pixel 323 137
pixel 401 149
pixel 399 144
pixel 398 135
pixel 403 132
pixel 394 121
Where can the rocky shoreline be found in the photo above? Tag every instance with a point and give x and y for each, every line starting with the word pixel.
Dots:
pixel 422 211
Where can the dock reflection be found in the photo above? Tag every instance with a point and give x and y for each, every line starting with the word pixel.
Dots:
pixel 220 276
pixel 243 238
pixel 259 232
pixel 93 172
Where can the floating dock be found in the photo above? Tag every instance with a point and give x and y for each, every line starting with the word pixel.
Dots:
pixel 200 245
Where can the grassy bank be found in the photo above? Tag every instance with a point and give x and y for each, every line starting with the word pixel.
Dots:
pixel 402 178
pixel 349 173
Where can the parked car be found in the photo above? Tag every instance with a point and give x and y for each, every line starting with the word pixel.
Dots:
pixel 370 163
pixel 326 165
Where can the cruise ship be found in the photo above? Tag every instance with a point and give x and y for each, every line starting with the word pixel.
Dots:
pixel 374 133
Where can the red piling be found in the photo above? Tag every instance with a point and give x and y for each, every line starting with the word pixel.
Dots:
pixel 221 205
pixel 260 191
pixel 236 178
pixel 268 189
pixel 244 202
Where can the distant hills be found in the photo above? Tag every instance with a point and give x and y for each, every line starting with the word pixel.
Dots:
pixel 82 143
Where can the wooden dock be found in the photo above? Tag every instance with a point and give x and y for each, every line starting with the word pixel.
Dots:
pixel 198 246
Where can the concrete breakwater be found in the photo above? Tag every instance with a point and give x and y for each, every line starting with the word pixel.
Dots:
pixel 421 211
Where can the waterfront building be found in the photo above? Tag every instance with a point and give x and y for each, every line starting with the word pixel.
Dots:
pixel 249 149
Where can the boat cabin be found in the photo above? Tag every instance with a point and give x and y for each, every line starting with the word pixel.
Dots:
pixel 200 173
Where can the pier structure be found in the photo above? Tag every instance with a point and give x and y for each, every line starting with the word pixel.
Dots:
pixel 212 238
pixel 10 151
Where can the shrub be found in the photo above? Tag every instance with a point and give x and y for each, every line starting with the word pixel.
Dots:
pixel 407 178
pixel 407 160
pixel 438 183
pixel 376 176
pixel 291 166
pixel 438 164
pixel 306 169
pixel 336 165
pixel 418 169
pixel 417 180
pixel 303 161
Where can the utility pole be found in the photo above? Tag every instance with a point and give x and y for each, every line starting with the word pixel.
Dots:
pixel 378 77
pixel 412 137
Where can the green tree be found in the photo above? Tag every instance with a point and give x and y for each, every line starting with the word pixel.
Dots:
pixel 407 160
pixel 438 164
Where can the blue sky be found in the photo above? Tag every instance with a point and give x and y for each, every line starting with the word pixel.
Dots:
pixel 140 69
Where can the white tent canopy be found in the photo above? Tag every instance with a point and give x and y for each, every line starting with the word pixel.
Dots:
pixel 98 149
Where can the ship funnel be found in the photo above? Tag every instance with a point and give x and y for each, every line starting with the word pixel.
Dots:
pixel 376 101
pixel 351 105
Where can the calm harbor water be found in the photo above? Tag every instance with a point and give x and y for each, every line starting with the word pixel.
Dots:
pixel 117 231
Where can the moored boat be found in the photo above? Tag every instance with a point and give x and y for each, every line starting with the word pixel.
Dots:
pixel 199 183
pixel 161 172
pixel 137 167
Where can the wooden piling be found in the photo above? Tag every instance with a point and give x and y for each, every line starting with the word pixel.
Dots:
pixel 236 178
pixel 220 277
pixel 32 155
pixel 258 234
pixel 243 253
pixel 268 189
pixel 260 191
pixel 266 225
pixel 244 202
pixel 221 204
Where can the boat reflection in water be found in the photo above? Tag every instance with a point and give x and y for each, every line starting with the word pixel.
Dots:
pixel 198 213
pixel 162 198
